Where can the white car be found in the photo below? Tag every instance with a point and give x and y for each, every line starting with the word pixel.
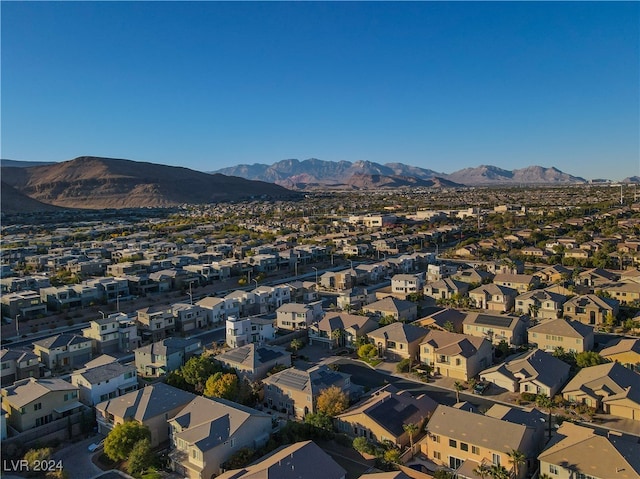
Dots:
pixel 95 446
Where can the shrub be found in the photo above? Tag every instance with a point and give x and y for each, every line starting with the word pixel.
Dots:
pixel 403 366
pixel 528 397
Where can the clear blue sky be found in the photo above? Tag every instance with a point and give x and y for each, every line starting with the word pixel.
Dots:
pixel 441 85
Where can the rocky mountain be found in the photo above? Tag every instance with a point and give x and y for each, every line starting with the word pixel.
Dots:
pixel 313 173
pixel 24 164
pixel 95 183
pixel 14 201
pixel 631 179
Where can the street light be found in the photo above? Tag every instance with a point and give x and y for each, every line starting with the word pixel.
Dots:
pixel 316 270
pixel 103 315
pixel 17 326
pixel 255 281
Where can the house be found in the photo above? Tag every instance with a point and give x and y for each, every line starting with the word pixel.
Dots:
pixel 254 329
pixel 533 372
pixel 18 364
pixel 31 403
pixel 455 355
pixel 159 358
pixel 189 317
pixel 207 432
pixel 58 298
pixel 473 276
pixel 571 336
pixel 26 304
pixel 338 280
pixel 214 308
pixel 156 322
pixel 270 298
pixel 398 340
pixel 337 329
pixel 447 319
pixel 399 309
pixel 445 289
pixel 153 405
pixel 581 452
pixel 625 351
pixel 113 333
pixel 381 417
pixel 554 274
pixel 624 291
pixel 406 284
pixel 609 387
pixel 520 282
pixel 295 392
pixel 540 304
pixel 355 298
pixel 455 436
pixel 497 327
pixel 104 378
pixel 254 361
pixel 590 309
pixel 596 277
pixel 63 350
pixel 493 297
pixel 294 316
pixel 287 460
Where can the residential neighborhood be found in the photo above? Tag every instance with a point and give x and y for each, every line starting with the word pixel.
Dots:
pixel 243 344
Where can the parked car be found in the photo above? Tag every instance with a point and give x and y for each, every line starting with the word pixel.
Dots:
pixel 95 446
pixel 481 387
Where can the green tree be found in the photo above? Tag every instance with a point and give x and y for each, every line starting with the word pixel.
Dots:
pixel 448 326
pixel 337 335
pixel 499 472
pixel 141 458
pixel 586 359
pixel 403 365
pixel 411 430
pixel 296 344
pixel 37 456
pixel 543 401
pixel 362 444
pixel 332 401
pixel 197 370
pixel 240 459
pixel 222 386
pixel 385 320
pixel 443 474
pixel 482 470
pixel 517 458
pixel 320 420
pixel 392 456
pixel 367 351
pixel 458 386
pixel 120 441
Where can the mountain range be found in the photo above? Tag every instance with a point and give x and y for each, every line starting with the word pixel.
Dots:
pixel 314 173
pixel 99 183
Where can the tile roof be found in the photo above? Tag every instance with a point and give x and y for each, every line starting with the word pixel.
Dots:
pixel 146 403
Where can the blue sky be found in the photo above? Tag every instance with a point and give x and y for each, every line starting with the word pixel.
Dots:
pixel 441 85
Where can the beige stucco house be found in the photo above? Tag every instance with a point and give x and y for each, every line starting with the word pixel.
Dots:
pixel 455 355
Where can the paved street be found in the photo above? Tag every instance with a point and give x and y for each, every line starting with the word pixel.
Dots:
pixel 76 460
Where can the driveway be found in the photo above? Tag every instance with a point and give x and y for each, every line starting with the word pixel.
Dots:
pixel 76 460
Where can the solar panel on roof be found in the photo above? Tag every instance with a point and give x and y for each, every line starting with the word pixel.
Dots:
pixel 267 355
pixel 499 321
pixel 293 380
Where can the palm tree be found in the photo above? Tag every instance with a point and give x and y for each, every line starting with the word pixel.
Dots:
pixel 459 387
pixel 545 402
pixel 411 429
pixel 517 458
pixel 498 472
pixel 337 335
pixel 482 470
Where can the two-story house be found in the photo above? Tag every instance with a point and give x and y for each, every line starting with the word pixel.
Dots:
pixel 189 317
pixel 571 336
pixel 590 309
pixel 153 405
pixel 445 289
pixel 104 378
pixel 398 340
pixel 207 432
pixel 398 309
pixel 16 364
pixel 540 304
pixel 455 355
pixel 295 392
pixel 458 439
pixel 254 361
pixel 338 329
pixel 497 327
pixel 159 358
pixel 31 403
pixel 63 350
pixel 293 316
pixel 520 282
pixel 254 329
pixel 155 323
pixel 493 297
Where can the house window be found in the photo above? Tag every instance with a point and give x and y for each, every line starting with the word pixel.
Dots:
pixel 464 446
pixel 37 406
pixel 436 455
pixel 453 443
pixel 496 459
pixel 553 469
pixel 475 450
pixel 436 438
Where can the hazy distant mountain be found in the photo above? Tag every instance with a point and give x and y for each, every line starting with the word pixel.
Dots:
pixel 314 173
pixel 24 164
pixel 91 182
pixel 631 179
